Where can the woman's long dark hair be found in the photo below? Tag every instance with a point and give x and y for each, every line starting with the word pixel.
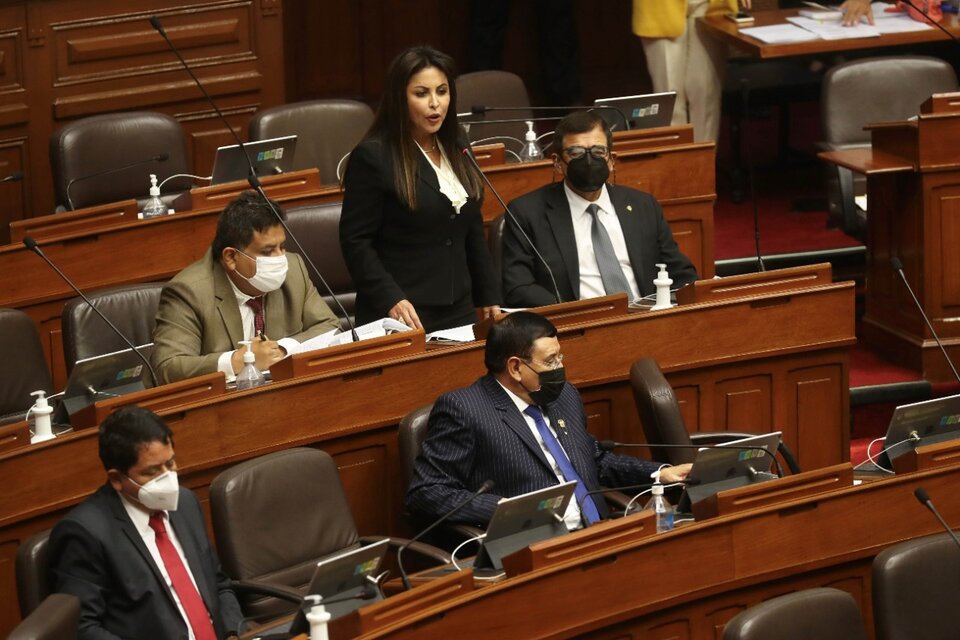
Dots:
pixel 392 124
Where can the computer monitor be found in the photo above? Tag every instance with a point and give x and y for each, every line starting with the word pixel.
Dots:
pixel 269 157
pixel 342 576
pixel 729 465
pixel 637 112
pixel 920 423
pixel 522 520
pixel 107 376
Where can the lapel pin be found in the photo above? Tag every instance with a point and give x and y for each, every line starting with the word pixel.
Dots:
pixel 629 207
pixel 561 423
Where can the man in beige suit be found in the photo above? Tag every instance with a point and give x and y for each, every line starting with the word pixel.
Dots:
pixel 246 287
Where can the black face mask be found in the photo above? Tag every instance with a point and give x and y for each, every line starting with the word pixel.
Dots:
pixel 551 385
pixel 587 174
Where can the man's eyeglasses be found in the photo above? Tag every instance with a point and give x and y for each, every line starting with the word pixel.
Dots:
pixel 597 151
pixel 553 363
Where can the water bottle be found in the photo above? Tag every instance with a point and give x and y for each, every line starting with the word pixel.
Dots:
pixel 249 377
pixel 661 508
pixel 154 207
pixel 531 150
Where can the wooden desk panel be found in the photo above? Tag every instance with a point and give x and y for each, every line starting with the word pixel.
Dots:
pixel 697 577
pixel 750 343
pixel 728 32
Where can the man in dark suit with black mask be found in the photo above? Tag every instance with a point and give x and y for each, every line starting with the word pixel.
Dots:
pixel 522 426
pixel 136 552
pixel 598 238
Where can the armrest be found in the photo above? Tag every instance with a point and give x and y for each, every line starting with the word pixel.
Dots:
pixel 255 588
pixel 423 549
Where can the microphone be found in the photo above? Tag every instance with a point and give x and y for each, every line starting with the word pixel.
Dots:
pixel 252 178
pixel 924 499
pixel 479 110
pixel 556 291
pixel 486 486
pixel 898 267
pixel 745 96
pixel 31 244
pixel 16 176
pixel 160 157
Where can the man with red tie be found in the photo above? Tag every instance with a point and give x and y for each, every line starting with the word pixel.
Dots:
pixel 136 552
pixel 246 287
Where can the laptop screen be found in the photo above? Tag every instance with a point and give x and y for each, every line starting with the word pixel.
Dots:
pixel 106 376
pixel 929 421
pixel 637 112
pixel 269 157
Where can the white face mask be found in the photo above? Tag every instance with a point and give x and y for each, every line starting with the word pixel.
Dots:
pixel 160 494
pixel 271 272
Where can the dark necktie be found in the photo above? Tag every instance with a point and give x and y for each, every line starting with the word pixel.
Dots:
pixel 197 615
pixel 610 272
pixel 588 508
pixel 257 305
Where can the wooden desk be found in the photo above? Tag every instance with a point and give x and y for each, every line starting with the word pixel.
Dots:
pixel 740 364
pixel 106 246
pixel 620 579
pixel 728 32
pixel 913 183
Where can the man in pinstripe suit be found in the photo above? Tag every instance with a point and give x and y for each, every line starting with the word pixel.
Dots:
pixel 523 427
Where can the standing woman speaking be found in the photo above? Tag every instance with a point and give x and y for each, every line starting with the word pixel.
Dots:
pixel 411 229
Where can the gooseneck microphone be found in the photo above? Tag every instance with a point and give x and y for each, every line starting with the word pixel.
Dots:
pixel 925 500
pixel 930 20
pixel 629 487
pixel 466 151
pixel 160 157
pixel 898 267
pixel 610 445
pixel 252 178
pixel 31 244
pixel 485 487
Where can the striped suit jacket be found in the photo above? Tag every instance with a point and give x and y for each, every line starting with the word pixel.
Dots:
pixel 477 433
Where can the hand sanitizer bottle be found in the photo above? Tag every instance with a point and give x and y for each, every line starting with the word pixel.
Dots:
pixel 662 282
pixel 249 377
pixel 42 429
pixel 531 150
pixel 154 207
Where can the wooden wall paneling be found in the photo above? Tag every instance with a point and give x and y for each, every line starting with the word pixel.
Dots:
pixel 814 411
pixel 743 403
pixel 15 92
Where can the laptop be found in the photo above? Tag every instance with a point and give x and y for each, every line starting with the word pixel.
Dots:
pixel 269 157
pixel 728 466
pixel 522 520
pixel 637 112
pixel 107 376
pixel 919 423
pixel 337 578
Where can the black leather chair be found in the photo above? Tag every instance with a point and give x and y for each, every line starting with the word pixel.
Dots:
pixel 131 307
pixel 663 422
pixel 820 614
pixel 26 369
pixel 317 227
pixel 916 590
pixel 896 86
pixel 326 130
pixel 276 515
pixel 57 618
pixel 110 141
pixel 494 89
pixel 32 569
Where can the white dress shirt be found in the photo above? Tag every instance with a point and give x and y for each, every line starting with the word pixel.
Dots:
pixel 141 521
pixel 571 516
pixel 591 285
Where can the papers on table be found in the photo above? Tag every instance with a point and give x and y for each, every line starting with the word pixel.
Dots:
pixel 827 26
pixel 834 30
pixel 375 329
pixel 456 334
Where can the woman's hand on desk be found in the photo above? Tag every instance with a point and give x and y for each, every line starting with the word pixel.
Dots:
pixel 853 10
pixel 745 4
pixel 405 313
pixel 489 312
